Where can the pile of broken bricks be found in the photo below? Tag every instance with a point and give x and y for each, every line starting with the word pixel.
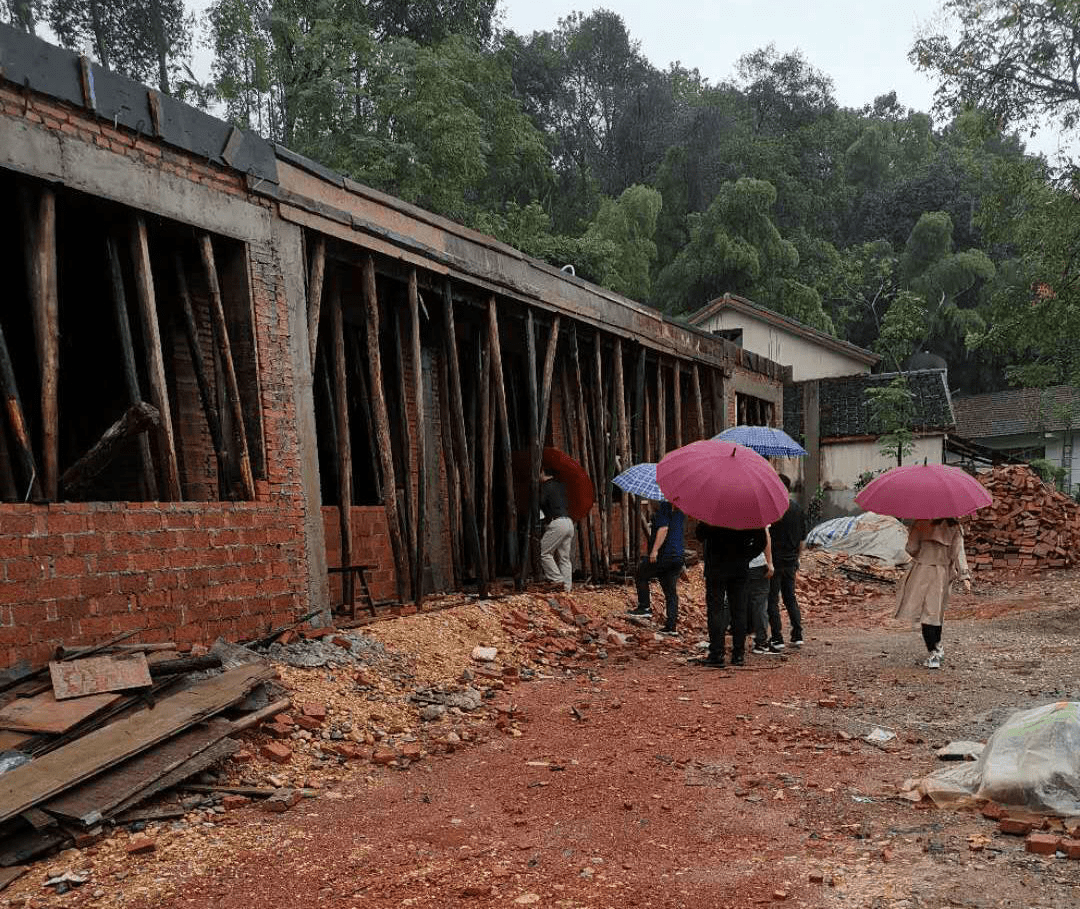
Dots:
pixel 1043 835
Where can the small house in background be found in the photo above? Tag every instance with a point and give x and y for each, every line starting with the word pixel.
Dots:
pixel 1025 423
pixel 810 353
pixel 833 417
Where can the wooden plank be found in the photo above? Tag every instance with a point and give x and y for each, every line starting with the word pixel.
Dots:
pixel 534 449
pixel 461 444
pixel 127 350
pixel 417 467
pixel 545 385
pixel 719 401
pixel 28 845
pixel 98 798
pixel 595 525
pixel 603 451
pixel 49 775
pixel 640 452
pixel 13 741
pixel 159 389
pixel 39 220
pixel 44 713
pixel 487 456
pixel 232 387
pixel 9 875
pixel 382 430
pixel 97 675
pixel 661 410
pixel 17 422
pixel 217 752
pixel 676 387
pixel 340 402
pixel 316 283
pixel 453 487
pixel 406 513
pixel 495 347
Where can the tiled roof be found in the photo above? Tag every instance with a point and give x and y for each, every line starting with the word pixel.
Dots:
pixel 1015 412
pixel 764 314
pixel 845 411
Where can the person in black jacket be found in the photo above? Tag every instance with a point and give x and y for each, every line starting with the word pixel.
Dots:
pixel 788 540
pixel 728 554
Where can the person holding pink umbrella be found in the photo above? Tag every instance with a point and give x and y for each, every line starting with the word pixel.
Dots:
pixel 937 551
pixel 934 495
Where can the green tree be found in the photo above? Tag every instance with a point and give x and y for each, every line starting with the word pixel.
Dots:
pixel 148 40
pixel 21 14
pixel 629 225
pixel 892 412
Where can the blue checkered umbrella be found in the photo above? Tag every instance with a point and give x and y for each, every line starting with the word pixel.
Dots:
pixel 641 481
pixel 771 443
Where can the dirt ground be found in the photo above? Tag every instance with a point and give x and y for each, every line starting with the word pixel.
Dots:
pixel 641 780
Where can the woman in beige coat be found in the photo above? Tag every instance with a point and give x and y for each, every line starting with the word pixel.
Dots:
pixel 938 559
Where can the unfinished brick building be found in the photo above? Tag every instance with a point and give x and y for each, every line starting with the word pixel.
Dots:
pixel 210 345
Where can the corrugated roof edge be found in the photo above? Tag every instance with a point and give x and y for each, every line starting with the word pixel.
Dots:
pixel 735 301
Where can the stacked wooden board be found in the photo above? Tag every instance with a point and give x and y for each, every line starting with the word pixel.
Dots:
pixel 1029 526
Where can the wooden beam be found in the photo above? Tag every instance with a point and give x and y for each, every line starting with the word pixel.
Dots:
pixel 661 409
pixel 340 399
pixel 354 355
pixel 159 389
pixel 8 492
pixel 419 468
pixel 624 443
pixel 409 528
pixel 127 351
pixel 453 504
pixel 232 387
pixel 17 421
pixel 719 401
pixel 699 409
pixel 316 283
pixel 534 448
pixel 382 429
pixel 39 219
pixel 461 446
pixel 582 425
pixel 647 422
pixel 198 363
pixel 545 387
pixel 487 456
pixel 604 452
pixel 495 347
pixel 677 389
pixel 136 419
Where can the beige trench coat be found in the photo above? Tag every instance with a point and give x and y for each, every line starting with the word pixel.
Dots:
pixel 937 551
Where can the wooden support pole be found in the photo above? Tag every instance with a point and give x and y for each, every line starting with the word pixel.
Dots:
pixel 419 466
pixel 719 401
pixel 344 447
pixel 647 423
pixel 661 409
pixel 603 454
pixel 624 443
pixel 232 387
pixel 545 388
pixel 406 514
pixel 316 283
pixel 587 459
pixel 159 390
pixel 495 347
pixel 198 363
pixel 8 491
pixel 136 419
pixel 355 356
pixel 699 409
pixel 382 428
pixel 453 505
pixel 17 421
pixel 39 219
pixel 127 350
pixel 570 434
pixel 640 451
pixel 534 448
pixel 461 447
pixel 487 455
pixel 677 389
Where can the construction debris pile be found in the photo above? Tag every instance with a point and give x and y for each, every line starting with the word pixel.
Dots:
pixel 1030 525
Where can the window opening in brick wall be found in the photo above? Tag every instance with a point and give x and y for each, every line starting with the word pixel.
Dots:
pixel 751 411
pixel 734 335
pixel 106 430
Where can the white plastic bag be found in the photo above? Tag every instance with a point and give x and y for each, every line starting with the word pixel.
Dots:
pixel 1032 761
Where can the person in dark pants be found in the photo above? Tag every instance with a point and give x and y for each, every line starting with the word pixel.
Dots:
pixel 728 554
pixel 788 541
pixel 663 561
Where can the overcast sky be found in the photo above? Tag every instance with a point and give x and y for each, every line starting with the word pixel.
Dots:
pixel 862 45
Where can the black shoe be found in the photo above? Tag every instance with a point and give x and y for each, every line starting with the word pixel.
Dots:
pixel 777 644
pixel 639 611
pixel 775 649
pixel 711 662
pixel 737 659
pixel 796 642
pixel 669 632
pixel 760 648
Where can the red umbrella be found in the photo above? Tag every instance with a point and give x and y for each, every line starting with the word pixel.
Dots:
pixel 723 484
pixel 580 493
pixel 924 492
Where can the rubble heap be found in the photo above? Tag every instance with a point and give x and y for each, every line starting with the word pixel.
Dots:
pixel 1030 525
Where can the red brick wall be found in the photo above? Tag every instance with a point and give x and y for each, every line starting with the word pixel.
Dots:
pixel 73 573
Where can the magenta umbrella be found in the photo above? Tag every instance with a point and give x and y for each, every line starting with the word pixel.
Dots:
pixel 723 484
pixel 924 492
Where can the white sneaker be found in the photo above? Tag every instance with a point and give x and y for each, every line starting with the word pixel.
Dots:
pixel 934 660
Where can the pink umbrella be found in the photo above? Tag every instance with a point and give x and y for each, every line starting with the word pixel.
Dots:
pixel 924 491
pixel 723 484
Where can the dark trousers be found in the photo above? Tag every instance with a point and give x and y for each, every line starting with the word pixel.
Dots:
pixel 931 635
pixel 783 585
pixel 757 604
pixel 725 603
pixel 668 574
